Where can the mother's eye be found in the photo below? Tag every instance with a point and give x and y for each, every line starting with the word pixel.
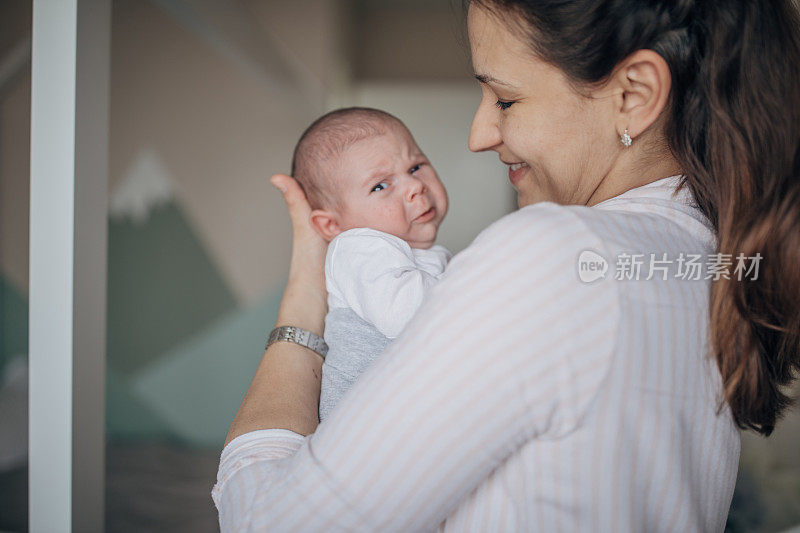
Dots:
pixel 503 105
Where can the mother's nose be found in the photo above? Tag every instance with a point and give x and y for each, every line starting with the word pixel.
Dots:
pixel 484 134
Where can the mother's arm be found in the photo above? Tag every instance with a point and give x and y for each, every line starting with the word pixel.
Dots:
pixel 510 346
pixel 284 392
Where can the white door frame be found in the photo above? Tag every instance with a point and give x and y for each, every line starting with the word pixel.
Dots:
pixel 67 291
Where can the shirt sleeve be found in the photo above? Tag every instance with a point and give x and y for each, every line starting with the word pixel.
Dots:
pixel 377 276
pixel 510 346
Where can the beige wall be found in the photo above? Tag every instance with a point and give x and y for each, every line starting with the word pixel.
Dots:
pixel 14 189
pixel 316 33
pixel 398 41
pixel 219 132
pixel 15 20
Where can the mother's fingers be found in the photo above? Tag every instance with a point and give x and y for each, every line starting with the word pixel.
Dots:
pixel 293 195
pixel 307 242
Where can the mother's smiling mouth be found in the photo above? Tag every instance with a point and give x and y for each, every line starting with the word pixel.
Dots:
pixel 516 171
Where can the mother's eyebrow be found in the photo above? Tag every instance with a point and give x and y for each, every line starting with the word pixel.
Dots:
pixel 485 78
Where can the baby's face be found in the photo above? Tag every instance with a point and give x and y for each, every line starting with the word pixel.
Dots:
pixel 386 183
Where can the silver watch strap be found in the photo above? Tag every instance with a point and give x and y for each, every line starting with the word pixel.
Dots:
pixel 299 336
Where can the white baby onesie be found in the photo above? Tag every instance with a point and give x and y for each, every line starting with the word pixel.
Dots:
pixel 375 283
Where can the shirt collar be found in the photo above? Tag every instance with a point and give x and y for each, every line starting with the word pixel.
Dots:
pixel 664 189
pixel 666 198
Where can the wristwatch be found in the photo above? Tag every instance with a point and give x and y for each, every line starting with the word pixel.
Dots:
pixel 299 336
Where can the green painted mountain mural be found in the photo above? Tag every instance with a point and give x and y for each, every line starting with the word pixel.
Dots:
pixel 162 287
pixel 129 418
pixel 197 387
pixel 181 353
pixel 13 322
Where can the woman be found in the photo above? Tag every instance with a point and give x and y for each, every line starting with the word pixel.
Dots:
pixel 521 396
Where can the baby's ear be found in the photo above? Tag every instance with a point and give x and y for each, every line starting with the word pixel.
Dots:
pixel 325 223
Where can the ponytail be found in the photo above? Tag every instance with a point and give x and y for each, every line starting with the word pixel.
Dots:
pixel 739 143
pixel 734 127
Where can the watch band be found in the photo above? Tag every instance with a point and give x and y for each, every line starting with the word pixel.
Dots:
pixel 299 336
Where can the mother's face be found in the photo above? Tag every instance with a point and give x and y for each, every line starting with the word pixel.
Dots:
pixel 558 144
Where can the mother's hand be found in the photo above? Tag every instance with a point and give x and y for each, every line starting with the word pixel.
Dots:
pixel 284 392
pixel 304 300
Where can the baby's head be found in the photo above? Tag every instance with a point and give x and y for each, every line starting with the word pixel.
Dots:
pixel 360 168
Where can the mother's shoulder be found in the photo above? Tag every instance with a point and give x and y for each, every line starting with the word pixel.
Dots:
pixel 571 223
pixel 630 223
pixel 545 238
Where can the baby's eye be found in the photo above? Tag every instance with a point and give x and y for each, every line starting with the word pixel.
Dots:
pixel 379 187
pixel 503 105
pixel 414 168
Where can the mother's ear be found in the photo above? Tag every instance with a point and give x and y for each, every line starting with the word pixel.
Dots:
pixel 325 223
pixel 643 82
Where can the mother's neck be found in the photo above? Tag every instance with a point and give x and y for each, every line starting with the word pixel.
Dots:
pixel 634 167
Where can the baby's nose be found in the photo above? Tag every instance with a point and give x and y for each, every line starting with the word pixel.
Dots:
pixel 415 187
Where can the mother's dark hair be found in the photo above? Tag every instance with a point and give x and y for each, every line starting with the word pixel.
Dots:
pixel 734 126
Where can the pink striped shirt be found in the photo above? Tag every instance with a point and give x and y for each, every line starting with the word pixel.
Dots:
pixel 522 397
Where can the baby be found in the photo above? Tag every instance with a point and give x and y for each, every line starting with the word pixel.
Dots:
pixel 378 202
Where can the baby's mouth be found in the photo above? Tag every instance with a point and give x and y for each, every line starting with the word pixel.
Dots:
pixel 427 215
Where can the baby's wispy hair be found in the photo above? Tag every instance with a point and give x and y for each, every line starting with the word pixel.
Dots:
pixel 325 140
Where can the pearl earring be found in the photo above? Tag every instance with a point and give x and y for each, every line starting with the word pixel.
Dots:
pixel 625 138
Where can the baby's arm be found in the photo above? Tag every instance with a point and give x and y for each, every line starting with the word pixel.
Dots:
pixel 376 275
